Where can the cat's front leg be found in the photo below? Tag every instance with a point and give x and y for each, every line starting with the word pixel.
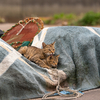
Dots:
pixel 39 62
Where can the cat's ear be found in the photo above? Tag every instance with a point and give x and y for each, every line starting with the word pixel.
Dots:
pixel 53 43
pixel 49 57
pixel 57 56
pixel 43 44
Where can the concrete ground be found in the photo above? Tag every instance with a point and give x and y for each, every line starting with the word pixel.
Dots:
pixel 88 95
pixel 6 26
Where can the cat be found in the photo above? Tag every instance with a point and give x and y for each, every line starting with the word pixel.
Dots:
pixel 51 61
pixel 37 55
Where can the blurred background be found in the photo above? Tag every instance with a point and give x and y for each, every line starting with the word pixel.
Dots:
pixel 61 12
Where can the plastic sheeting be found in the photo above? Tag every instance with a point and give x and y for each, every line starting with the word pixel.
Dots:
pixel 79 65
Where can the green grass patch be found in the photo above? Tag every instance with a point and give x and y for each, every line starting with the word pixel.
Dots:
pixel 90 18
pixel 60 18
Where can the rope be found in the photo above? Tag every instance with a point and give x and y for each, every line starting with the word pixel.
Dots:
pixel 22 26
pixel 74 93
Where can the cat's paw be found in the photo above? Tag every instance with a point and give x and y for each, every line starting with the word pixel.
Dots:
pixel 47 67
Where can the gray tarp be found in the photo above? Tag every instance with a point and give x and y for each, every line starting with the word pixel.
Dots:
pixel 79 49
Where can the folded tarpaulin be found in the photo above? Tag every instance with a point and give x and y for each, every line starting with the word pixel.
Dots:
pixel 79 49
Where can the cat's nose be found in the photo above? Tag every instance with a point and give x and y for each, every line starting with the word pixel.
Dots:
pixel 52 52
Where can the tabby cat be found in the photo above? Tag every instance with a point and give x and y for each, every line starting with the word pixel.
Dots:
pixel 37 55
pixel 51 61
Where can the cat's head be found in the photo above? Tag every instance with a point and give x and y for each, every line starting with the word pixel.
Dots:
pixel 48 49
pixel 52 61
